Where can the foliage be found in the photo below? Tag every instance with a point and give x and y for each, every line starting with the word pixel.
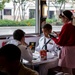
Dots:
pixel 61 1
pixel 49 20
pixel 53 21
pixel 8 23
pixel 1 6
pixel 30 22
pixel 2 2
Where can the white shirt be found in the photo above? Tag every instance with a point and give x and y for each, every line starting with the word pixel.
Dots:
pixel 25 51
pixel 50 46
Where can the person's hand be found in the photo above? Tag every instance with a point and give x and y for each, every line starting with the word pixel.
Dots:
pixel 56 33
pixel 52 36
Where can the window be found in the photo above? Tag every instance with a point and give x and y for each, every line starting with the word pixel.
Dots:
pixel 32 13
pixel 55 7
pixel 51 14
pixel 22 15
pixel 7 11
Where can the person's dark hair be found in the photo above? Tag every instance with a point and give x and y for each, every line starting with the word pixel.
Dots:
pixel 67 13
pixel 10 52
pixel 47 26
pixel 60 16
pixel 18 34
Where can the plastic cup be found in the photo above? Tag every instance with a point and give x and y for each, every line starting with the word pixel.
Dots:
pixel 43 55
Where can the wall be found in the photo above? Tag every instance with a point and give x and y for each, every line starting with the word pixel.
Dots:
pixel 27 39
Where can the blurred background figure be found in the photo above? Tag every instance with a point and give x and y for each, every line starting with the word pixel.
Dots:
pixel 50 47
pixel 10 61
pixel 66 39
pixel 3 73
pixel 19 40
pixel 46 29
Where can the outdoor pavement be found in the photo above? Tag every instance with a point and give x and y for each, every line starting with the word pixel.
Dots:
pixel 27 29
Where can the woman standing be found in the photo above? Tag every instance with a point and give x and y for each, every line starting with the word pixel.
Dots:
pixel 66 39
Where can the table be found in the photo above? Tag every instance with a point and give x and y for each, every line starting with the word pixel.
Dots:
pixel 38 61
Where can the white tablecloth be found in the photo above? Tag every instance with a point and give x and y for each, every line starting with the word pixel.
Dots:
pixel 36 59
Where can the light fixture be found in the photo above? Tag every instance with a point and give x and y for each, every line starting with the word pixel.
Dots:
pixel 44 10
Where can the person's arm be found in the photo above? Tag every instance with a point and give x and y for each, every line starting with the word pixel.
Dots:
pixel 63 36
pixel 56 33
pixel 26 53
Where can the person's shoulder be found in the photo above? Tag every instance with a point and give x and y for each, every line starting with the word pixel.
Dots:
pixel 27 71
pixel 14 42
pixel 66 26
pixel 31 72
pixel 52 42
pixel 41 38
pixel 22 46
pixel 3 73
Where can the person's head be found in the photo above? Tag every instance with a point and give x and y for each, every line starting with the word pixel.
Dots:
pixel 66 16
pixel 46 29
pixel 9 57
pixel 19 35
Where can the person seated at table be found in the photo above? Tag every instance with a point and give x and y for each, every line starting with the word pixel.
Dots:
pixel 51 47
pixel 19 40
pixel 10 61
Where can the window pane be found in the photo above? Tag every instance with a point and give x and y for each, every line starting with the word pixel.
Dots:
pixel 7 11
pixel 18 15
pixel 32 13
pixel 55 7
